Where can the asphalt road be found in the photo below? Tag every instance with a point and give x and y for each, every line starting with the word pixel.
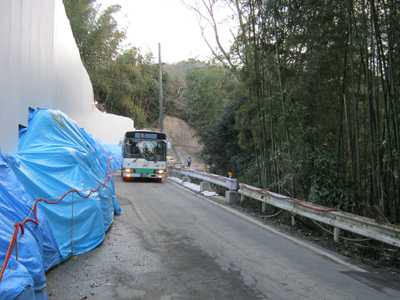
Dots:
pixel 171 243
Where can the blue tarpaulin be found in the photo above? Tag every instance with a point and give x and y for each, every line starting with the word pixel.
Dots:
pixel 37 247
pixel 56 157
pixel 116 154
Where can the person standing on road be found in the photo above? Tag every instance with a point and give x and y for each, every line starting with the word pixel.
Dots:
pixel 189 161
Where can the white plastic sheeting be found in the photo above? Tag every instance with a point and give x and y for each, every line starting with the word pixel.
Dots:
pixel 40 67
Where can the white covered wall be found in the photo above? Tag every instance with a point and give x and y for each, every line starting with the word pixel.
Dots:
pixel 40 67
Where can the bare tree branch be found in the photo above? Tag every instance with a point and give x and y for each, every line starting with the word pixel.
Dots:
pixel 210 18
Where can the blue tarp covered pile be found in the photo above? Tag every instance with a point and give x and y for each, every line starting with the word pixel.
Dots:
pixel 55 156
pixel 37 248
pixel 116 154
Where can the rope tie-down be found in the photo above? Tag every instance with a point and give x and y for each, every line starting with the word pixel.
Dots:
pixel 21 225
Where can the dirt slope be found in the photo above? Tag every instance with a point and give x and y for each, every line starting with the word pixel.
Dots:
pixel 182 140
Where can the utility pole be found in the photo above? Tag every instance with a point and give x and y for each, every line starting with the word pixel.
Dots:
pixel 160 88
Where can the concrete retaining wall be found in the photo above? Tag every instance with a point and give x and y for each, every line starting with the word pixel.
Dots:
pixel 40 67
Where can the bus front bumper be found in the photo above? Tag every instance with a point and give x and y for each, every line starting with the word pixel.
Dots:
pixel 154 174
pixel 142 175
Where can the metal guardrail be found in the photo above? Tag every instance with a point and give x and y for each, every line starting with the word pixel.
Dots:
pixel 384 232
pixel 218 180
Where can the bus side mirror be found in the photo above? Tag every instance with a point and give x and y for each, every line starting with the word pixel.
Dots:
pixel 169 145
pixel 121 142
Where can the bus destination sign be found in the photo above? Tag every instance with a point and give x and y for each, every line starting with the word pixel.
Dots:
pixel 145 135
pixel 142 135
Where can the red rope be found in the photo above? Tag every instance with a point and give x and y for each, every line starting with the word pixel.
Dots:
pixel 36 220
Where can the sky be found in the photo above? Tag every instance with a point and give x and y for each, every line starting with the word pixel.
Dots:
pixel 167 22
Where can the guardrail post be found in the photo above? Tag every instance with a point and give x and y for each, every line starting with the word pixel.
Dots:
pixel 264 207
pixel 231 184
pixel 293 220
pixel 336 234
pixel 231 196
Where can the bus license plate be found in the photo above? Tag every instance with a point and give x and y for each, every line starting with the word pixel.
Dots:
pixel 144 174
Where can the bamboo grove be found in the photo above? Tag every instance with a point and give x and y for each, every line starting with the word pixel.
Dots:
pixel 321 107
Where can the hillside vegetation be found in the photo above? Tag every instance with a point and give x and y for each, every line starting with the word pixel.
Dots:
pixel 304 102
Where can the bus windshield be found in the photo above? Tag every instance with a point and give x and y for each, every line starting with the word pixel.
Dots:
pixel 152 150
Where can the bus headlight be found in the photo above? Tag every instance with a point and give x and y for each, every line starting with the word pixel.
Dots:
pixel 159 171
pixel 128 170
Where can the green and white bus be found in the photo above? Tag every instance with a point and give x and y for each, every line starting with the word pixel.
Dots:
pixel 144 155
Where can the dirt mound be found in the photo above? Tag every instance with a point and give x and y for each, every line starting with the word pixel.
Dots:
pixel 182 140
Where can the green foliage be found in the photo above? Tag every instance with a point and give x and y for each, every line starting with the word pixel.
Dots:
pixel 221 146
pixel 316 175
pixel 96 32
pixel 181 68
pixel 123 81
pixel 207 89
pixel 321 116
